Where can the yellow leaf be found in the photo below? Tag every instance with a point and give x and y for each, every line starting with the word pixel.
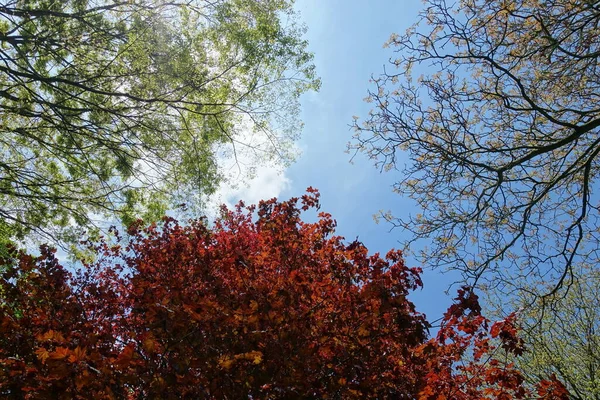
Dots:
pixel 257 357
pixel 226 363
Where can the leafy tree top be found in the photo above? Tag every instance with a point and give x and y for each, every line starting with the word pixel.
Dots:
pixel 119 108
pixel 501 129
pixel 263 306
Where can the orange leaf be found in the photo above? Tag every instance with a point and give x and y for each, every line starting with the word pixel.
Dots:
pixel 363 331
pixel 42 354
pixel 125 357
pixel 51 336
pixel 77 355
pixel 59 353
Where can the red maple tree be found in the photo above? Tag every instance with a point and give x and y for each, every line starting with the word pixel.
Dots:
pixel 258 305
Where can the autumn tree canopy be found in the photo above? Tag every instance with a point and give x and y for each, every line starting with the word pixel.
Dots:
pixel 501 128
pixel 119 108
pixel 257 305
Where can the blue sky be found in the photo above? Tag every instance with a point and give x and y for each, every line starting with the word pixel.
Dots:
pixel 347 39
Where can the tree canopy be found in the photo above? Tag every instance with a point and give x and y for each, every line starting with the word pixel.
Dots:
pixel 258 305
pixel 501 129
pixel 118 108
pixel 562 338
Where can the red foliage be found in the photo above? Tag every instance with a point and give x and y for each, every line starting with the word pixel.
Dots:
pixel 252 307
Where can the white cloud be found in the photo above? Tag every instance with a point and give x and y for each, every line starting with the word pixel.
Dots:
pixel 251 167
pixel 267 181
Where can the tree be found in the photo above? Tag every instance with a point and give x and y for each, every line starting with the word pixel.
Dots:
pixel 254 306
pixel 564 339
pixel 501 130
pixel 121 108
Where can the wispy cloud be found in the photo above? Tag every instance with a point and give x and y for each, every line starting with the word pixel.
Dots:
pixel 267 181
pixel 252 168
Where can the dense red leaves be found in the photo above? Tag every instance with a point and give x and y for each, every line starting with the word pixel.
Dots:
pixel 462 363
pixel 552 389
pixel 260 305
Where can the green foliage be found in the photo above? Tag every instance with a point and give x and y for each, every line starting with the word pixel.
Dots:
pixel 562 334
pixel 119 108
